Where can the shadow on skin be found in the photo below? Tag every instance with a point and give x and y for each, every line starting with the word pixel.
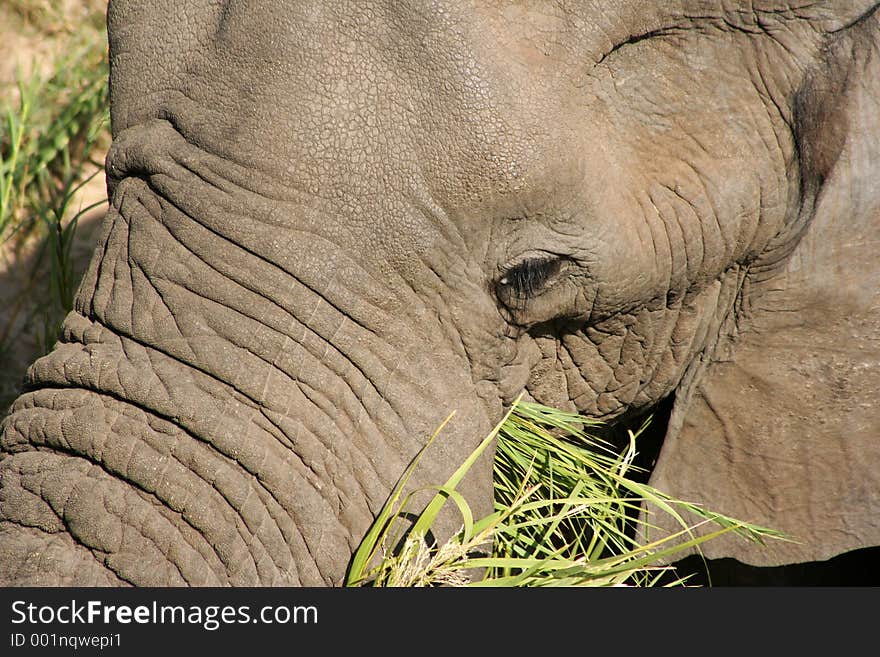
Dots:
pixel 856 568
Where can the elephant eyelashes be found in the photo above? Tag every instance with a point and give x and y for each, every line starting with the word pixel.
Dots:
pixel 526 279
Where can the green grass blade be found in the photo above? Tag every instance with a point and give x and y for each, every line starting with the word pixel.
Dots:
pixel 370 544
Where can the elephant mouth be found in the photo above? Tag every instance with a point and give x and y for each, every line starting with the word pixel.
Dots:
pixel 648 426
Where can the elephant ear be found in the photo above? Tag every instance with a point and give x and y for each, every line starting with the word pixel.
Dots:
pixel 781 425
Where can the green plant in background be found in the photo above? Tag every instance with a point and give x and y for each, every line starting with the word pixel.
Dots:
pixel 48 138
pixel 13 159
pixel 47 141
pixel 566 514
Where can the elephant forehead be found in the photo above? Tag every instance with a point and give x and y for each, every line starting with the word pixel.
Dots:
pixel 368 96
pixel 373 102
pixel 361 96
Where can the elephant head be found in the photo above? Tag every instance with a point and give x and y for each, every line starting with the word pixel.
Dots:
pixel 334 223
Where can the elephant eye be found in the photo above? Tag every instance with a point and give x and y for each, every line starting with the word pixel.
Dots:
pixel 526 279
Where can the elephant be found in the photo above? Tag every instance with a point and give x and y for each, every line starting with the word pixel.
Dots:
pixel 332 224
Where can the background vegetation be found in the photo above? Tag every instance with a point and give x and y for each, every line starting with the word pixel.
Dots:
pixel 53 137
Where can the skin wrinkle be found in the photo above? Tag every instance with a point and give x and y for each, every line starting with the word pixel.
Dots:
pixel 653 360
pixel 713 211
pixel 205 553
pixel 229 176
pixel 445 322
pixel 60 512
pixel 249 537
pixel 330 416
pixel 287 571
pixel 315 398
pixel 214 447
pixel 129 271
pixel 764 90
pixel 270 506
pixel 153 179
pixel 366 379
pixel 180 338
pixel 204 548
pixel 582 385
pixel 315 436
pixel 256 400
pixel 110 293
pixel 108 561
pixel 662 359
pixel 672 278
pixel 64 504
pixel 48 553
pixel 328 407
pixel 286 335
pixel 48 523
pixel 175 563
pixel 693 264
pixel 649 225
pixel 154 495
pixel 299 281
pixel 185 162
pixel 704 23
pixel 607 391
pixel 863 18
pixel 241 281
pixel 254 531
pixel 292 443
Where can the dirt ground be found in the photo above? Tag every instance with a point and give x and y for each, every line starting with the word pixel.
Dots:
pixel 32 34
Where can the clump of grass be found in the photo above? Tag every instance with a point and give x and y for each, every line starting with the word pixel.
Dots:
pixel 565 515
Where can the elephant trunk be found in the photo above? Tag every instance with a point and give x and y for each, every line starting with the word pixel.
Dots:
pixel 231 400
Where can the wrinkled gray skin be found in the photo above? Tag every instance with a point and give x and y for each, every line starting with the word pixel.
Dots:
pixel 320 215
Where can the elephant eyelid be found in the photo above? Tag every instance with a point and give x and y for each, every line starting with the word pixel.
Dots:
pixel 528 278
